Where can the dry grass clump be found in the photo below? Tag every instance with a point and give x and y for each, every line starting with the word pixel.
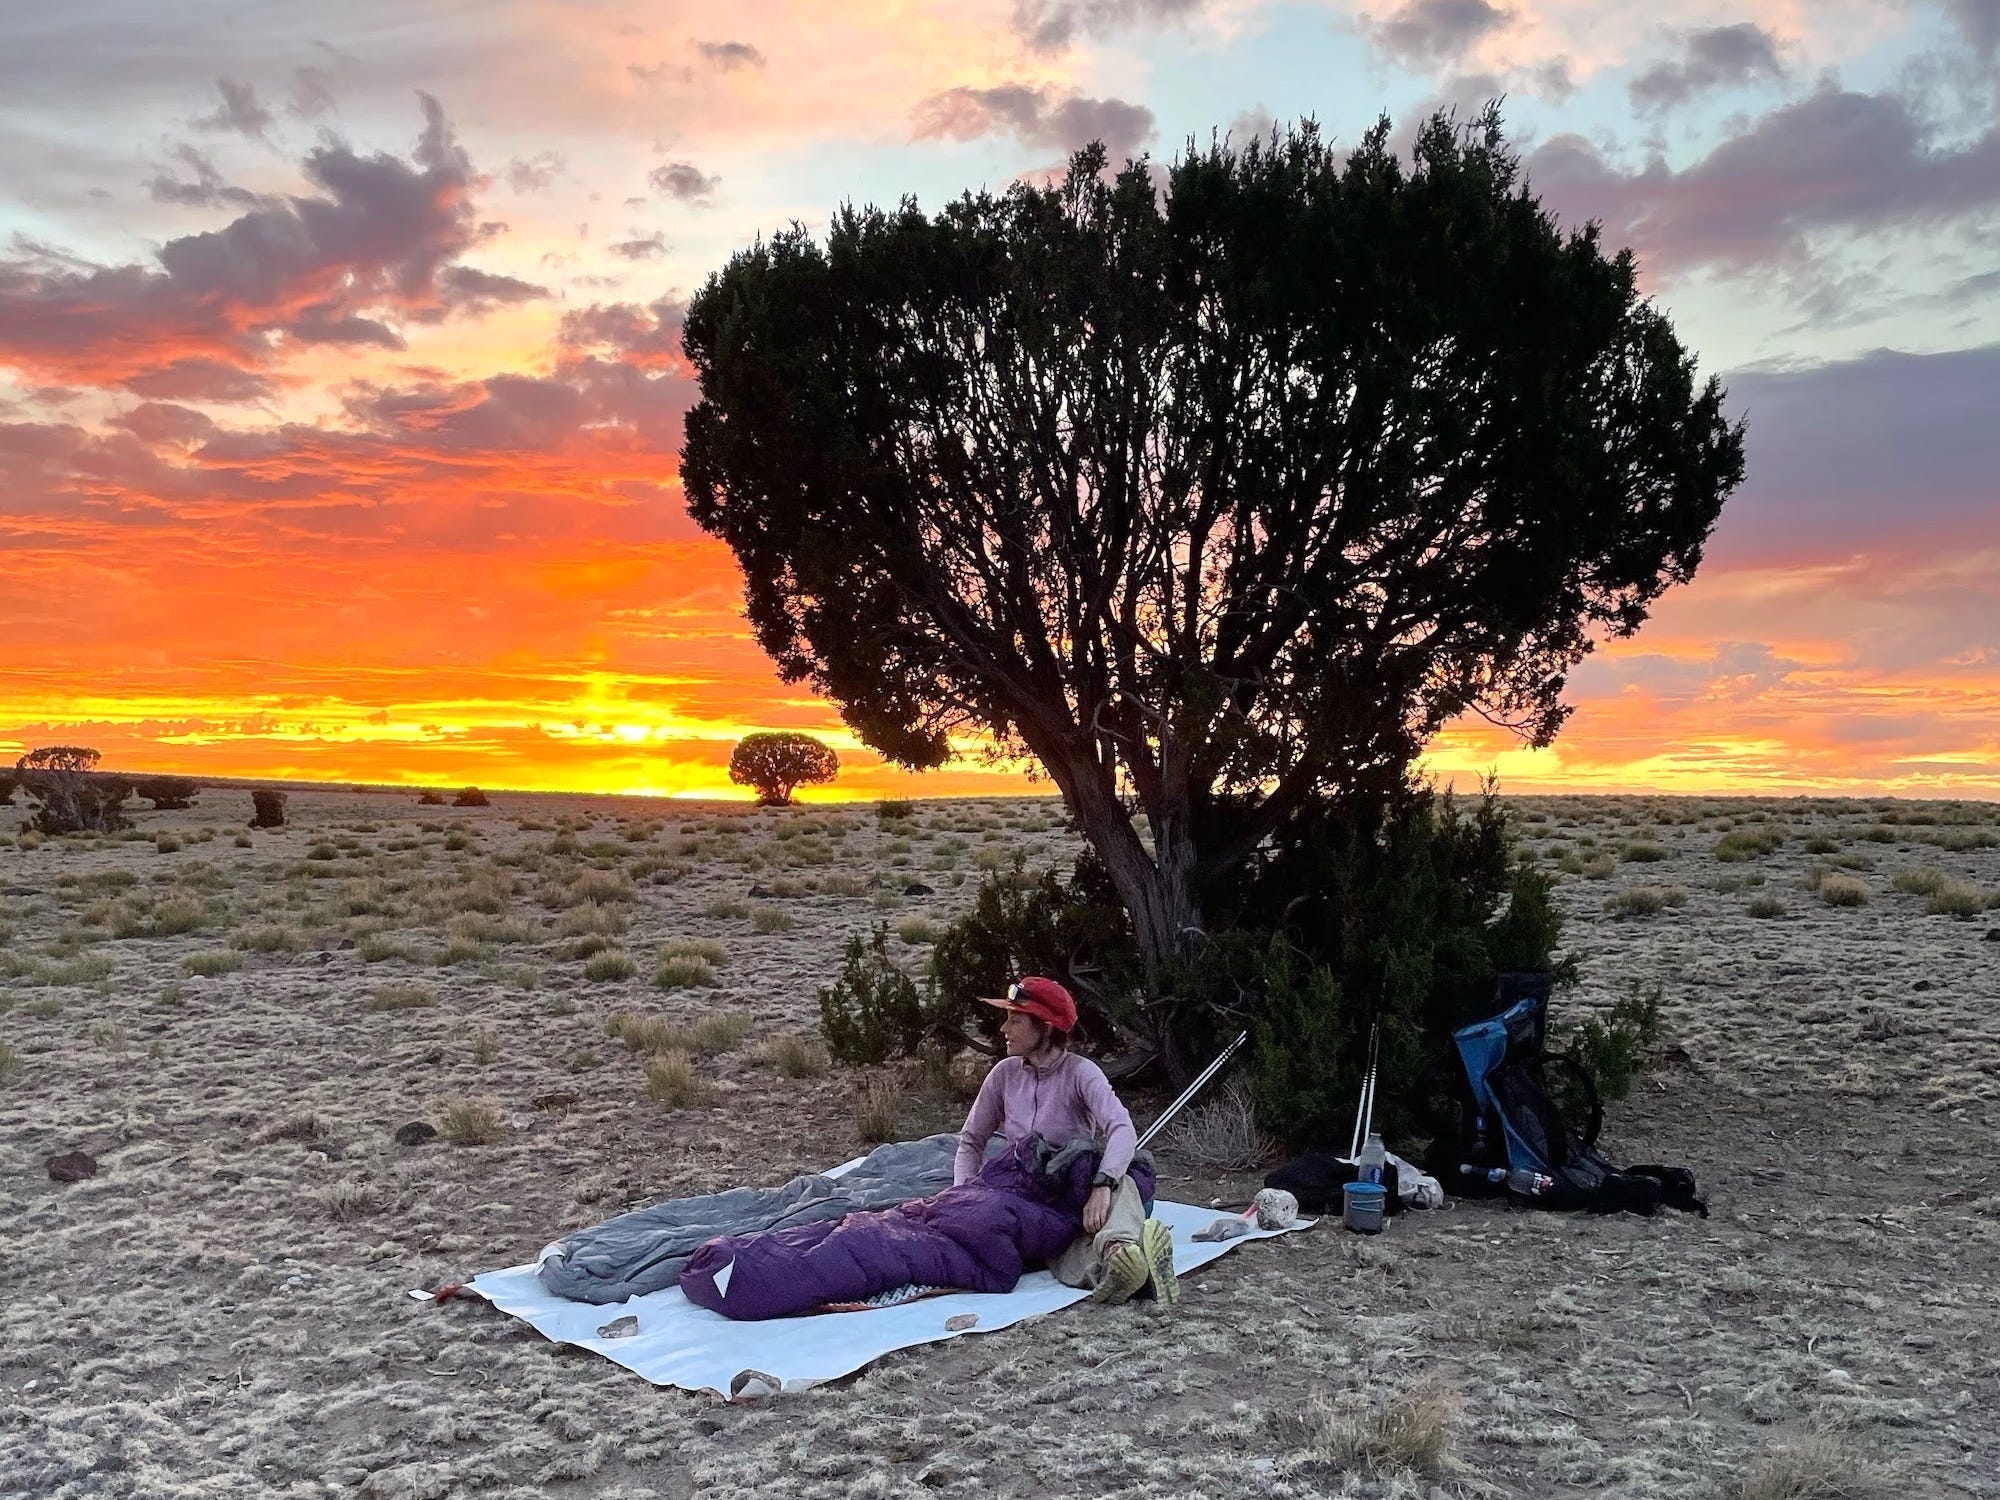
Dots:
pixel 469 1122
pixel 485 1046
pixel 208 965
pixel 85 968
pixel 684 971
pixel 1411 1432
pixel 1842 890
pixel 593 887
pixel 1221 1134
pixel 269 939
pixel 877 1105
pixel 479 927
pixel 1644 852
pixel 1956 899
pixel 793 1056
pixel 771 919
pixel 10 1062
pixel 110 1034
pixel 1645 900
pixel 612 963
pixel 589 919
pixel 672 1080
pixel 648 1034
pixel 721 1030
pixel 1765 906
pixel 345 1201
pixel 919 930
pixel 1748 843
pixel 376 948
pixel 708 950
pixel 1920 881
pixel 1811 1466
pixel 401 997
pixel 1819 843
pixel 730 908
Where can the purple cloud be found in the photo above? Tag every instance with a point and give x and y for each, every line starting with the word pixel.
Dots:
pixel 684 181
pixel 1833 161
pixel 1051 25
pixel 1036 118
pixel 240 111
pixel 377 244
pixel 1437 31
pixel 1722 57
pixel 729 56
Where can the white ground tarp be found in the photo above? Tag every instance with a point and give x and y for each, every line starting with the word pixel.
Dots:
pixel 677 1343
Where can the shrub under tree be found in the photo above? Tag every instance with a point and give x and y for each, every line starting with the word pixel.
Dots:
pixel 471 797
pixel 777 763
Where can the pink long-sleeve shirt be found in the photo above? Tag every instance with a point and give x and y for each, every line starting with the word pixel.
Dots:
pixel 1068 1099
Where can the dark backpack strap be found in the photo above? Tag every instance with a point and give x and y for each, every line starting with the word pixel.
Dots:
pixel 1588 1128
pixel 1677 1188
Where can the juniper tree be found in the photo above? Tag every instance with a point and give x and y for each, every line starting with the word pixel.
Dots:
pixel 1219 493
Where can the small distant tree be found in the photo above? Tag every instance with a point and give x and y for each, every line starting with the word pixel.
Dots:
pixel 70 795
pixel 268 809
pixel 777 764
pixel 429 799
pixel 168 792
pixel 471 797
pixel 6 788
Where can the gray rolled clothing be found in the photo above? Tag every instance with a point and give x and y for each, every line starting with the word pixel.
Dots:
pixel 645 1250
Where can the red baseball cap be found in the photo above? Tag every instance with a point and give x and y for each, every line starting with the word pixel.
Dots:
pixel 1041 998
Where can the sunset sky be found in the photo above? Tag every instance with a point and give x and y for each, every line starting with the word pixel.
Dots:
pixel 341 389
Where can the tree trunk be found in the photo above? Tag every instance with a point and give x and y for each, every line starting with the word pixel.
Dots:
pixel 1157 889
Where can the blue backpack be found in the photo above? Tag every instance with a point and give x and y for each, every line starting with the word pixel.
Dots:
pixel 1532 1119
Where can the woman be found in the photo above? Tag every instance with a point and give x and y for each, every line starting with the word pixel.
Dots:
pixel 1041 1088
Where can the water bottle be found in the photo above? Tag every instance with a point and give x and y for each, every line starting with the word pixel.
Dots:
pixel 1519 1179
pixel 1373 1156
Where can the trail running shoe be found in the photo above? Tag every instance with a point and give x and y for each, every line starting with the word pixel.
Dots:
pixel 1156 1241
pixel 1126 1270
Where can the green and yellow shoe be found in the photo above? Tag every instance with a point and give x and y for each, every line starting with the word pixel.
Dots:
pixel 1156 1242
pixel 1126 1270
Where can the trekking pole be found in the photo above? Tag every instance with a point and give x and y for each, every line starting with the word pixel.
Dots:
pixel 1194 1088
pixel 1364 1110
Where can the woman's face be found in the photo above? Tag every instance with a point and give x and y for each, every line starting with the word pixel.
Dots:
pixel 1023 1033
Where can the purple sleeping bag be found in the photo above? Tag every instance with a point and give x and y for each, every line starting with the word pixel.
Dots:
pixel 1018 1213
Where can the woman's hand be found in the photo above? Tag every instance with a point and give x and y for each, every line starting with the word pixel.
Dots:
pixel 1096 1209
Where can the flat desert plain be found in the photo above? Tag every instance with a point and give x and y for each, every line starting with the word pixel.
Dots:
pixel 234 1026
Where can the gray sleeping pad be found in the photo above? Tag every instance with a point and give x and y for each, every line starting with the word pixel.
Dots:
pixel 644 1250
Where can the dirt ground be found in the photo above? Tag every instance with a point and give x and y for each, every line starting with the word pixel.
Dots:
pixel 235 1025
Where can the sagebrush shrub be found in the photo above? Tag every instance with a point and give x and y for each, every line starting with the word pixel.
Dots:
pixel 873 1011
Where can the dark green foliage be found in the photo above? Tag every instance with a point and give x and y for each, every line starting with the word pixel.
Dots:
pixel 1075 932
pixel 874 1011
pixel 267 809
pixel 1228 486
pixel 69 794
pixel 1614 1049
pixel 1409 913
pixel 776 764
pixel 471 797
pixel 892 810
pixel 7 780
pixel 430 799
pixel 168 792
